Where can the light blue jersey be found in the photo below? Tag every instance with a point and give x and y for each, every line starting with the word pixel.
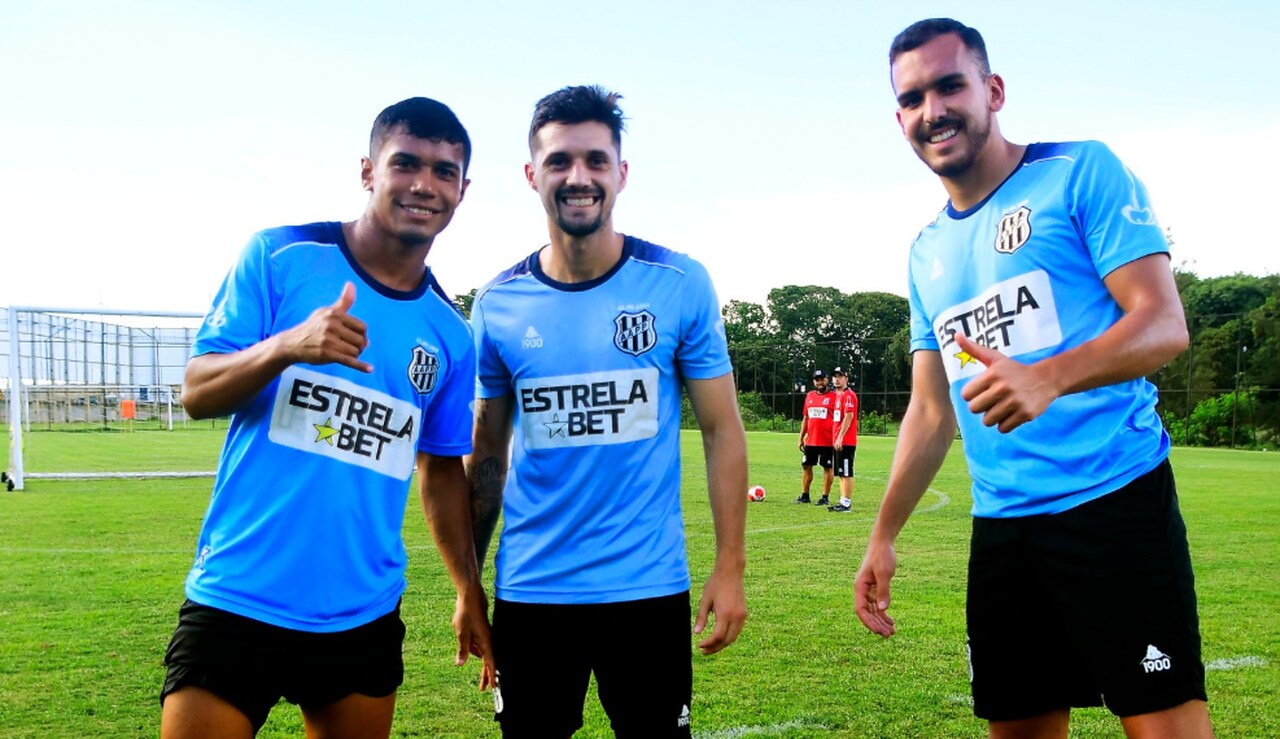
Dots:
pixel 591 510
pixel 1022 272
pixel 303 529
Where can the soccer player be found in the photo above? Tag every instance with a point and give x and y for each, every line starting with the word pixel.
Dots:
pixel 815 438
pixel 844 438
pixel 1040 298
pixel 341 363
pixel 583 348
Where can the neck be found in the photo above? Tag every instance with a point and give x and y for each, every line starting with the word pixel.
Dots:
pixel 573 259
pixel 386 258
pixel 998 160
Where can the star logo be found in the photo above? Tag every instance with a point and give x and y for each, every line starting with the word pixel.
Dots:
pixel 325 432
pixel 556 427
pixel 965 359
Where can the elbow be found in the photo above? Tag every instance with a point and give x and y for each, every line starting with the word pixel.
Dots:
pixel 192 403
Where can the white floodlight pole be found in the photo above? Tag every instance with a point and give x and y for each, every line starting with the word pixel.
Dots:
pixel 15 404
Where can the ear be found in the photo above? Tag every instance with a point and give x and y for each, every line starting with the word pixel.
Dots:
pixel 995 92
pixel 622 170
pixel 463 192
pixel 898 114
pixel 366 173
pixel 528 175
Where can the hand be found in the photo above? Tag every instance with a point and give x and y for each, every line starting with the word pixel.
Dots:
pixel 801 445
pixel 724 596
pixel 871 589
pixel 471 625
pixel 331 335
pixel 837 444
pixel 1008 393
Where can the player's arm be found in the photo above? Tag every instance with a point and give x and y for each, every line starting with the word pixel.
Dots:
pixel 218 384
pixel 928 429
pixel 1152 332
pixel 487 467
pixel 724 444
pixel 442 486
pixel 804 426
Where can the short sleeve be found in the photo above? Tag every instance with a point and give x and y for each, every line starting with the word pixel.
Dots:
pixel 447 419
pixel 703 352
pixel 493 379
pixel 1111 210
pixel 243 310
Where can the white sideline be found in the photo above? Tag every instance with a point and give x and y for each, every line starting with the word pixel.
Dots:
pixel 739 731
pixel 1231 663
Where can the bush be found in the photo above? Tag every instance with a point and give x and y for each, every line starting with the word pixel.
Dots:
pixel 1212 421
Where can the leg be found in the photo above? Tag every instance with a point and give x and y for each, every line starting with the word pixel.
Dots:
pixel 828 477
pixel 806 480
pixel 195 713
pixel 543 667
pixel 1051 725
pixel 646 676
pixel 1187 721
pixel 353 717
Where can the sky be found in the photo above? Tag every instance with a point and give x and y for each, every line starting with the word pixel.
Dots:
pixel 143 143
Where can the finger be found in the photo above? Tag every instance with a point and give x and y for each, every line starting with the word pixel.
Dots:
pixel 488 675
pixel 704 608
pixel 464 649
pixel 346 299
pixel 983 354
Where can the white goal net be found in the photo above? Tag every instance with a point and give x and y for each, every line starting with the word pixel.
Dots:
pixel 68 370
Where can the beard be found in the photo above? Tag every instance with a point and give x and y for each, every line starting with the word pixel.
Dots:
pixel 579 229
pixel 975 134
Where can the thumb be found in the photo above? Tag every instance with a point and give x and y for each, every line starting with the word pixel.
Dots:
pixel 347 298
pixel 703 611
pixel 983 354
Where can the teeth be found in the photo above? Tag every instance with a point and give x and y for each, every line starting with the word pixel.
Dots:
pixel 579 202
pixel 938 138
pixel 419 211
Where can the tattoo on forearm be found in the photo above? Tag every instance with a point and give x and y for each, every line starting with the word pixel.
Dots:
pixel 487 478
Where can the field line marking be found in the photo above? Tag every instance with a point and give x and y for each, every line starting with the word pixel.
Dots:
pixel 1231 663
pixel 740 731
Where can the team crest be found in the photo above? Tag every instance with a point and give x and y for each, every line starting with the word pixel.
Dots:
pixel 423 369
pixel 1013 231
pixel 635 332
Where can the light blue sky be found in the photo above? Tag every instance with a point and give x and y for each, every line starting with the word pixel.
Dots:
pixel 142 143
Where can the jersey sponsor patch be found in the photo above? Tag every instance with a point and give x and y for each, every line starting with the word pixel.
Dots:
pixel 338 419
pixel 1015 317
pixel 590 409
pixel 817 411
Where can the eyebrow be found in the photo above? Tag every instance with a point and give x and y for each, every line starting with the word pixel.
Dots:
pixel 945 79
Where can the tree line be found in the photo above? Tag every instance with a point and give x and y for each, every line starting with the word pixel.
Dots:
pixel 1223 391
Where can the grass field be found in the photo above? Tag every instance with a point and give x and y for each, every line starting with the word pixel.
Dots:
pixel 91 579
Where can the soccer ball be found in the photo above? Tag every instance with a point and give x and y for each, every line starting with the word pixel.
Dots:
pixel 755 493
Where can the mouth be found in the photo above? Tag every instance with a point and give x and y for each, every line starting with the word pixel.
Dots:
pixel 420 211
pixel 579 199
pixel 942 132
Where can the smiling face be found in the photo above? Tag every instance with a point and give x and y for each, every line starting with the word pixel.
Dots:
pixel 415 185
pixel 946 104
pixel 578 174
pixel 820 384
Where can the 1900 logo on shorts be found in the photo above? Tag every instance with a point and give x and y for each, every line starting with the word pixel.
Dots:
pixel 1155 661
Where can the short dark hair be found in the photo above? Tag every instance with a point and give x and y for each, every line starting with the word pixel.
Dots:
pixel 922 32
pixel 580 104
pixel 422 118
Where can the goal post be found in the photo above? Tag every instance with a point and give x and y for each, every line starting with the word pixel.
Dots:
pixel 73 370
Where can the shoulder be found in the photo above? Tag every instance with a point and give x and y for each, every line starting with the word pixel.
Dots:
pixel 275 240
pixel 518 271
pixel 1075 153
pixel 648 254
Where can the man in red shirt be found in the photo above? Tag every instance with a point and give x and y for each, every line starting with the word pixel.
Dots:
pixel 815 437
pixel 844 441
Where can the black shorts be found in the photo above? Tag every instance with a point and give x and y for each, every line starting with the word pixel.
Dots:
pixel 819 455
pixel 1095 605
pixel 844 460
pixel 252 664
pixel 640 651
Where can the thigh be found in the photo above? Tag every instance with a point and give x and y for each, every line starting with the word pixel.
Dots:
pixel 1020 646
pixel 543 671
pixel 844 461
pixel 824 456
pixel 1132 555
pixel 223 655
pixel 189 711
pixel 645 673
pixel 810 456
pixel 353 717
pixel 366 661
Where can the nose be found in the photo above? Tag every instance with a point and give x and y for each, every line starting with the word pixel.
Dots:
pixel 423 184
pixel 934 107
pixel 578 174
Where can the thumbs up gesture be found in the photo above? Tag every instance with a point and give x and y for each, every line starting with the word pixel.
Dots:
pixel 331 335
pixel 1008 393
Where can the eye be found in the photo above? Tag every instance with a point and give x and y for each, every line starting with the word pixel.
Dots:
pixel 598 160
